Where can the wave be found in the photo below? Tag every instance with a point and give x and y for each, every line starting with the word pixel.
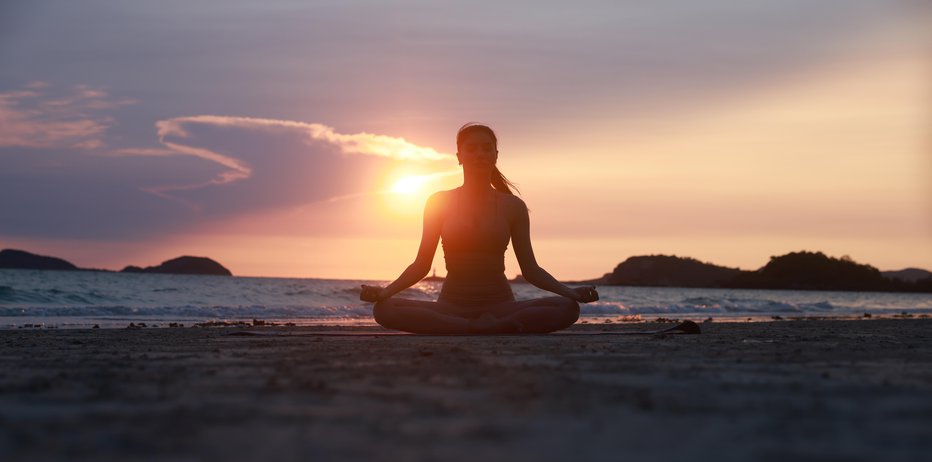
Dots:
pixel 11 295
pixel 709 306
pixel 100 295
pixel 192 311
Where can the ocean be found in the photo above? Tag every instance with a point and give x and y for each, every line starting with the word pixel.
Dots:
pixel 74 299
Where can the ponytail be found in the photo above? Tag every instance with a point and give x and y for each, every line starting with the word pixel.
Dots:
pixel 500 183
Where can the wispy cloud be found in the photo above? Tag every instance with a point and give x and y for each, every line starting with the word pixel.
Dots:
pixel 33 117
pixel 185 136
pixel 357 143
pixel 217 167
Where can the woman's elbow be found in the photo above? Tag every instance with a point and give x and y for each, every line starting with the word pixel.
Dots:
pixel 420 271
pixel 533 275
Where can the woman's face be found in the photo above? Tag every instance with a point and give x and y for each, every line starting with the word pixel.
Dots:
pixel 477 149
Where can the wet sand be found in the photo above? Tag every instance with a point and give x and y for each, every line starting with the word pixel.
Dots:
pixel 790 390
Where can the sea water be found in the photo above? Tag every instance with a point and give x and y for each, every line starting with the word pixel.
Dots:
pixel 85 298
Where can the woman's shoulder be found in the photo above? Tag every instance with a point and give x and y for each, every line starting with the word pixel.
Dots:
pixel 440 198
pixel 509 200
pixel 512 201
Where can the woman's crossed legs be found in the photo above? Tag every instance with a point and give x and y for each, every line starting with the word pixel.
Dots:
pixel 538 316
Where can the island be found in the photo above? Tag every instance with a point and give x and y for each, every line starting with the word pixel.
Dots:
pixel 20 259
pixel 802 270
pixel 183 265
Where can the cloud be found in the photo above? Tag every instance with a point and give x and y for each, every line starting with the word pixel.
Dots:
pixel 358 143
pixel 31 117
pixel 284 152
pixel 208 169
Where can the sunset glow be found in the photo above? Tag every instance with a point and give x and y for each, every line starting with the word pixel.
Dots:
pixel 409 185
pixel 316 148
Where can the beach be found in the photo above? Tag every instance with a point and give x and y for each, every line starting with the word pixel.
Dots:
pixel 803 390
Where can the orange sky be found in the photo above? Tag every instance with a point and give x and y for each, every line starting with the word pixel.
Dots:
pixel 714 149
pixel 834 161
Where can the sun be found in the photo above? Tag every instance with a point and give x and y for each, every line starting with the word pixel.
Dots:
pixel 404 193
pixel 407 195
pixel 409 185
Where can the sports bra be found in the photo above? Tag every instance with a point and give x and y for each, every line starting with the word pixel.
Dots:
pixel 474 252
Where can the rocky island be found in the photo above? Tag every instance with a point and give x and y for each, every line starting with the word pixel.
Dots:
pixel 793 271
pixel 183 265
pixel 20 259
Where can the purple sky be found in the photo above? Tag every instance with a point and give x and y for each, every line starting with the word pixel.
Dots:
pixel 86 86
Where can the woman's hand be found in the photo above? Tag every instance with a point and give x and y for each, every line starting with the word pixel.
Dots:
pixel 586 294
pixel 370 293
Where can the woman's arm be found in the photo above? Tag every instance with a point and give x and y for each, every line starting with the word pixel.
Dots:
pixel 530 270
pixel 430 236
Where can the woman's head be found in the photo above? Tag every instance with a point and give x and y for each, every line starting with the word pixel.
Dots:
pixel 477 142
pixel 474 131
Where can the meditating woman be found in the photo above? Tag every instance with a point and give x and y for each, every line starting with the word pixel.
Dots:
pixel 475 223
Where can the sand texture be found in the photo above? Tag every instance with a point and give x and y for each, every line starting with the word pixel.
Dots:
pixel 800 390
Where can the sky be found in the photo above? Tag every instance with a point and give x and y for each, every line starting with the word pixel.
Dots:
pixel 301 139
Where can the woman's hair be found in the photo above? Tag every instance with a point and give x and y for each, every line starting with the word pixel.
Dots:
pixel 499 182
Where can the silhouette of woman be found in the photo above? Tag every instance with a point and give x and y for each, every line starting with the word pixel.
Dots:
pixel 475 223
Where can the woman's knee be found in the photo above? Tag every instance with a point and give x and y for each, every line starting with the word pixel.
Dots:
pixel 382 312
pixel 571 308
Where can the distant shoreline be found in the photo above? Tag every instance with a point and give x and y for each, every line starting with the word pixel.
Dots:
pixel 808 271
pixel 21 259
pixel 440 280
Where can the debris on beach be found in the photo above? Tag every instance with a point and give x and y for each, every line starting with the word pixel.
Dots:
pixel 253 323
